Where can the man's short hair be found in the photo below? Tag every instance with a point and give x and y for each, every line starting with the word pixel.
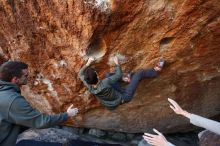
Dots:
pixel 90 75
pixel 11 69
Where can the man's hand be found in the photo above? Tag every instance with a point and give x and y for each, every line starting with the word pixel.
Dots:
pixel 116 60
pixel 155 140
pixel 90 60
pixel 177 109
pixel 72 111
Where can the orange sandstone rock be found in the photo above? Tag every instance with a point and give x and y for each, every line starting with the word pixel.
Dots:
pixel 56 37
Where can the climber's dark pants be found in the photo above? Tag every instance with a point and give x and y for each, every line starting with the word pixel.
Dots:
pixel 129 91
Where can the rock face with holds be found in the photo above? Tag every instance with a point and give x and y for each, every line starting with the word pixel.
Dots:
pixel 56 37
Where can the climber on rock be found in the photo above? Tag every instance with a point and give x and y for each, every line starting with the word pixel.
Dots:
pixel 109 91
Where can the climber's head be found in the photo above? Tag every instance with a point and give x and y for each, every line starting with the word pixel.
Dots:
pixel 90 76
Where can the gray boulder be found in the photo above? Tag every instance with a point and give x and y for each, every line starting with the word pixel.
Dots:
pixel 47 135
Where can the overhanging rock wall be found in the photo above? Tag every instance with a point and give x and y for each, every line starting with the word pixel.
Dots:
pixel 56 37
